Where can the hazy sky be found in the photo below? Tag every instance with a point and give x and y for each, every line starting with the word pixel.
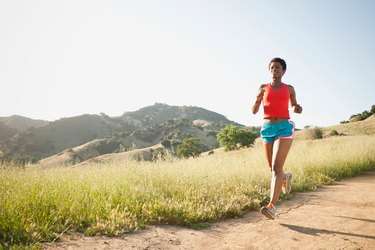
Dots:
pixel 67 58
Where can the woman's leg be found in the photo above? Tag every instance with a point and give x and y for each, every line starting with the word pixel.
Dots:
pixel 280 152
pixel 268 149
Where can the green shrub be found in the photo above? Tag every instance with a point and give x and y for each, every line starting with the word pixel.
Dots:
pixel 190 146
pixel 232 137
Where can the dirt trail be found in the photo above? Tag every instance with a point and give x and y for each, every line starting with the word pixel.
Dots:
pixel 340 216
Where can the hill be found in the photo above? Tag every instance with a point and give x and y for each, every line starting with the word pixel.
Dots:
pixel 363 127
pixel 366 127
pixel 37 143
pixel 160 113
pixel 6 132
pixel 102 134
pixel 177 130
pixel 160 138
pixel 22 123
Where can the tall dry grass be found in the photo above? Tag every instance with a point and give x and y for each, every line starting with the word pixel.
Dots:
pixel 38 204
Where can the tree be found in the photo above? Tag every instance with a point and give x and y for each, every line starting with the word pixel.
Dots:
pixel 365 114
pixel 372 110
pixel 232 137
pixel 191 146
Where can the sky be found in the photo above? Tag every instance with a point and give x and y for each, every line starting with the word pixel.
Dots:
pixel 64 58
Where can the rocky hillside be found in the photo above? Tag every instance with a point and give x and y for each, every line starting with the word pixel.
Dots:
pixel 102 134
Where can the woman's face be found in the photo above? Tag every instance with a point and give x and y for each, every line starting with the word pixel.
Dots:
pixel 276 70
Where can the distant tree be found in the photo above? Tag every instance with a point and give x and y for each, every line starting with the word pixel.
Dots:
pixel 108 146
pixel 105 116
pixel 365 114
pixel 166 143
pixel 232 137
pixel 372 110
pixel 174 145
pixel 191 146
pixel 361 116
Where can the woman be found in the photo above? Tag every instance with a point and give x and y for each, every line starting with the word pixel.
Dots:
pixel 278 131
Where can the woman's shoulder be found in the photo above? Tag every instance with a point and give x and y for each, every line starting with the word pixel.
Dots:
pixel 263 85
pixel 289 86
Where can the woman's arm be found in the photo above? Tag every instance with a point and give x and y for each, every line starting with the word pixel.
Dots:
pixel 258 100
pixel 293 101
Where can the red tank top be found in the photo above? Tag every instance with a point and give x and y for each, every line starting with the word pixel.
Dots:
pixel 276 101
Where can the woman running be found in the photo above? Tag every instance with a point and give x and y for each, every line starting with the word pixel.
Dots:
pixel 277 131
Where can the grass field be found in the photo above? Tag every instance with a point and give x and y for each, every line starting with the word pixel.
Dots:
pixel 39 204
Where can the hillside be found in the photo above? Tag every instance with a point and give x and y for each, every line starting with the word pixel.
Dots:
pixel 22 123
pixel 159 113
pixel 78 139
pixel 87 153
pixel 133 130
pixel 169 133
pixel 152 149
pixel 37 143
pixel 6 132
pixel 363 127
pixel 11 125
pixel 366 127
pixel 74 155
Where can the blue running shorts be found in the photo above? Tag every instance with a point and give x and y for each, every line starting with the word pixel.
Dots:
pixel 279 130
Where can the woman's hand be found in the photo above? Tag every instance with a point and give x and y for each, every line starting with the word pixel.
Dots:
pixel 260 94
pixel 297 109
pixel 258 99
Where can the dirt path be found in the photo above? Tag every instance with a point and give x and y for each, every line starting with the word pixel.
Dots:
pixel 341 216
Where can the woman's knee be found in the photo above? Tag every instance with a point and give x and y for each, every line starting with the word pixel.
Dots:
pixel 277 170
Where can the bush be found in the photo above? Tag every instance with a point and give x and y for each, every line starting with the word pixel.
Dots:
pixel 232 137
pixel 191 146
pixel 334 132
pixel 108 146
pixel 316 133
pixel 166 143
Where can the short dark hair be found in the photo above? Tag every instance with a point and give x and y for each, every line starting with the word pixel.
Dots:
pixel 279 60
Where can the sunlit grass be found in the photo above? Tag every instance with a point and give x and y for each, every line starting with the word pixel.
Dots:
pixel 38 205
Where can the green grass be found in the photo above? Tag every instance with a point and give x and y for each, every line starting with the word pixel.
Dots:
pixel 38 205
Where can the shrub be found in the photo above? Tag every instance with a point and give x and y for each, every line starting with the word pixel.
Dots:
pixel 315 133
pixel 191 146
pixel 334 132
pixel 166 143
pixel 232 137
pixel 108 146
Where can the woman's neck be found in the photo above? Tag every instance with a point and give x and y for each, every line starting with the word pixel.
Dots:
pixel 276 83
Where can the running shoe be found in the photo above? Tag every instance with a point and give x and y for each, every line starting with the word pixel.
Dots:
pixel 269 211
pixel 287 185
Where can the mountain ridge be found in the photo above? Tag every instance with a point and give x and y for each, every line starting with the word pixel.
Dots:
pixel 137 129
pixel 22 123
